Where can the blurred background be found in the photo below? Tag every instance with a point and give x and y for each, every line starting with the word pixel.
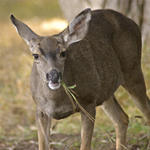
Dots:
pixel 17 109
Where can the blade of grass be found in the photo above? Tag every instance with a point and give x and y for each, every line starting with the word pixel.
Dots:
pixel 66 90
pixel 71 94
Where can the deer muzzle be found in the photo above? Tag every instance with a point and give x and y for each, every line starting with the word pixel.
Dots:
pixel 54 77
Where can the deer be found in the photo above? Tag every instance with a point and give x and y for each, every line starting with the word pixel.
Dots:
pixel 99 51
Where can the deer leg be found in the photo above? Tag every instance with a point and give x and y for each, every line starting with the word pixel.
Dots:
pixel 87 127
pixel 43 123
pixel 135 85
pixel 119 119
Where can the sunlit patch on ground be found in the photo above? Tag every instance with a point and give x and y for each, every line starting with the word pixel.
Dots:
pixel 46 27
pixel 54 24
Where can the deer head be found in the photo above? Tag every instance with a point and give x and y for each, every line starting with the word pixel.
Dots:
pixel 49 52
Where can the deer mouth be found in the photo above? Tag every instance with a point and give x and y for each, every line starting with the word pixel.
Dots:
pixel 54 86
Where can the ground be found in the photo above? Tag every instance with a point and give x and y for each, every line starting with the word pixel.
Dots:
pixel 71 142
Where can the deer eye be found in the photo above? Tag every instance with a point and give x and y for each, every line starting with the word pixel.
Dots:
pixel 36 56
pixel 63 54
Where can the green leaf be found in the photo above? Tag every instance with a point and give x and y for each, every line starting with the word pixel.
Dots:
pixel 72 87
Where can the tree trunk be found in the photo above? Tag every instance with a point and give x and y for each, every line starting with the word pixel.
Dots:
pixel 138 10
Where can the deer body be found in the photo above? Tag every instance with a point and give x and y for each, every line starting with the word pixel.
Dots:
pixel 102 52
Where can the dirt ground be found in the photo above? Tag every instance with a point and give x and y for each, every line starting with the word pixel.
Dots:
pixel 65 142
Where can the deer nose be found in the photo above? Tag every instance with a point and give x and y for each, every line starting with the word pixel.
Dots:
pixel 53 76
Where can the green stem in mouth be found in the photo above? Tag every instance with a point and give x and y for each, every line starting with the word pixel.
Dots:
pixel 72 96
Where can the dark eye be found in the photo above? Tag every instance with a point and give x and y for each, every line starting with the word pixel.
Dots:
pixel 36 56
pixel 62 54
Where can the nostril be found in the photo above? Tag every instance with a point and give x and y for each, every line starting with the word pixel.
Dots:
pixel 53 76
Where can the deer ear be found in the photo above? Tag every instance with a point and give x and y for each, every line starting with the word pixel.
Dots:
pixel 78 28
pixel 25 32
